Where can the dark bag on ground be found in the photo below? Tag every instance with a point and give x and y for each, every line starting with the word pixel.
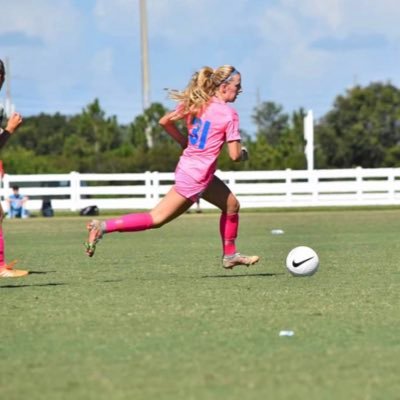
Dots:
pixel 89 210
pixel 47 209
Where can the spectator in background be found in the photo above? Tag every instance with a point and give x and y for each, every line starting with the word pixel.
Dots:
pixel 15 120
pixel 16 204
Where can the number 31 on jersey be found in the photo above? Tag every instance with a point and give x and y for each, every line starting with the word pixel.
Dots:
pixel 198 133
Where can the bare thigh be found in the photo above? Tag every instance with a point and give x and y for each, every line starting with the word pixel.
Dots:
pixel 171 206
pixel 219 194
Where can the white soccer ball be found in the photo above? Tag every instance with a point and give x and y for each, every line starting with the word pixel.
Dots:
pixel 302 261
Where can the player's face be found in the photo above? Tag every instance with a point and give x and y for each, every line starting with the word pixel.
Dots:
pixel 233 88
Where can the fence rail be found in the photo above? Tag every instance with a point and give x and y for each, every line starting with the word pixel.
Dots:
pixel 254 189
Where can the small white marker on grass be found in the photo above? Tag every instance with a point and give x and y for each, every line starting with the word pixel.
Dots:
pixel 286 333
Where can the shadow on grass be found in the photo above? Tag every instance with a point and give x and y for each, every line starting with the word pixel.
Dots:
pixel 40 272
pixel 34 285
pixel 243 275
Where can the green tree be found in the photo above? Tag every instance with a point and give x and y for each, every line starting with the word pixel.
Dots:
pixel 18 160
pixel 94 136
pixel 271 121
pixel 262 156
pixel 362 129
pixel 279 140
pixel 43 134
pixel 165 152
pixel 101 132
pixel 290 149
pixel 148 120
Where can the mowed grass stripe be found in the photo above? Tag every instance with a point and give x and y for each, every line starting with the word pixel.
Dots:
pixel 154 316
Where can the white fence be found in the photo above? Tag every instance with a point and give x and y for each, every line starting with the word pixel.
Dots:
pixel 254 189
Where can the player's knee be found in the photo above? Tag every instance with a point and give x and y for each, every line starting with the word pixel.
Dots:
pixel 157 225
pixel 233 206
pixel 158 221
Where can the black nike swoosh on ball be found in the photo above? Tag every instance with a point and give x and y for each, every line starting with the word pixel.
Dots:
pixel 297 264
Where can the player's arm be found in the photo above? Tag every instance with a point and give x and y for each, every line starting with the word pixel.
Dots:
pixel 12 125
pixel 4 136
pixel 168 123
pixel 236 151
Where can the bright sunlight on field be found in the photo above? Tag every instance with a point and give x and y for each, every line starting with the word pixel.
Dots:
pixel 154 316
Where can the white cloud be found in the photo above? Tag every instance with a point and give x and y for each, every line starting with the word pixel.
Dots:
pixel 117 17
pixel 326 14
pixel 296 28
pixel 289 66
pixel 51 21
pixel 290 51
pixel 176 21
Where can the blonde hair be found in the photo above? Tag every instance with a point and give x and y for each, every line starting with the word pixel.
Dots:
pixel 201 87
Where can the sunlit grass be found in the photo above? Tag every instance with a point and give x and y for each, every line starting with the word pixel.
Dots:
pixel 154 316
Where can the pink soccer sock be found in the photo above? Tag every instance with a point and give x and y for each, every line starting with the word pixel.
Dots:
pixel 2 260
pixel 228 228
pixel 129 223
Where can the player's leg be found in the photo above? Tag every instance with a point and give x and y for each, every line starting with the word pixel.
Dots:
pixel 171 206
pixel 6 270
pixel 198 208
pixel 11 213
pixel 24 213
pixel 15 212
pixel 219 194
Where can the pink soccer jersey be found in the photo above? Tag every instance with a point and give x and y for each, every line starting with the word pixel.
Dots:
pixel 208 132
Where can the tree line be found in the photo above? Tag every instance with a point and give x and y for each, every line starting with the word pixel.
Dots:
pixel 361 129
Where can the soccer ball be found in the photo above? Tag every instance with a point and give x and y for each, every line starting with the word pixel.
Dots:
pixel 302 261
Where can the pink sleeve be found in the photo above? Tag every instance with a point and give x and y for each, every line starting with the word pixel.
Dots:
pixel 232 128
pixel 180 110
pixel 179 107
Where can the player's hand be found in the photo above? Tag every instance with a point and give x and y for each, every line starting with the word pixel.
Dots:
pixel 14 122
pixel 244 156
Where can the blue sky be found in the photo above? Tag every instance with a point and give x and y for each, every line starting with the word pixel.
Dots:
pixel 65 53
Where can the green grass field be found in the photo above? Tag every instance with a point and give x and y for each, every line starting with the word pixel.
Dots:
pixel 154 316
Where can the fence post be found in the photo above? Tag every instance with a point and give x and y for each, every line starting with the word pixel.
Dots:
pixel 359 182
pixel 289 186
pixel 313 180
pixel 155 187
pixel 75 184
pixel 306 188
pixel 5 186
pixel 391 185
pixel 231 181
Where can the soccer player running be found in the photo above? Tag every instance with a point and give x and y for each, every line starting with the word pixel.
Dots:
pixel 6 270
pixel 211 123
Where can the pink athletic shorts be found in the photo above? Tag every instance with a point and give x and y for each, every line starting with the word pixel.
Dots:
pixel 187 187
